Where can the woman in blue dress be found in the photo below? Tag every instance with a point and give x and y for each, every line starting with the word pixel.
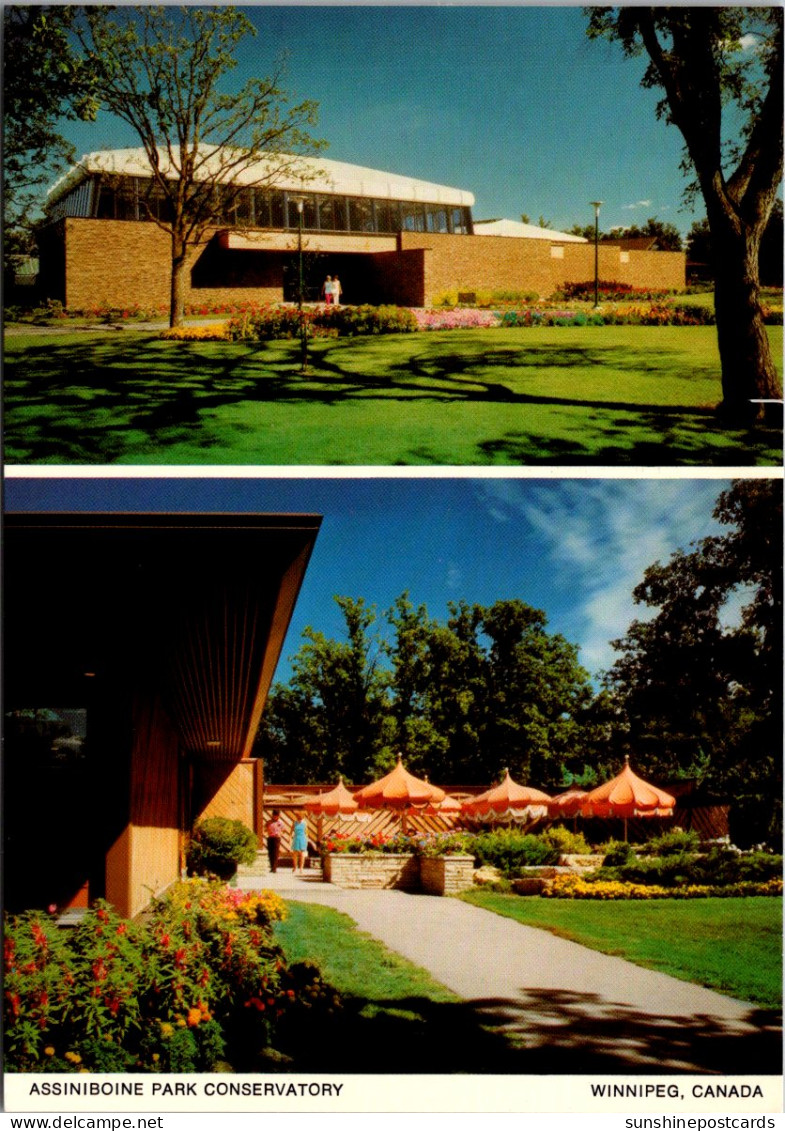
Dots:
pixel 299 842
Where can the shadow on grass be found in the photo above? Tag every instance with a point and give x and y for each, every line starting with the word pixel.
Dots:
pixel 541 1032
pixel 101 400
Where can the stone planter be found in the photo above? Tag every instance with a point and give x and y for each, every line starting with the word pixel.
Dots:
pixel 372 870
pixel 532 880
pixel 445 875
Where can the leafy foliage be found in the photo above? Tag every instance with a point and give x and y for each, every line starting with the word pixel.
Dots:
pixel 199 981
pixel 488 689
pixel 163 71
pixel 44 84
pixel 218 845
pixel 699 684
pixel 704 59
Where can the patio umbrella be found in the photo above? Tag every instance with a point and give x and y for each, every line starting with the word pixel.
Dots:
pixel 337 802
pixel 450 806
pixel 508 801
pixel 626 796
pixel 568 804
pixel 399 790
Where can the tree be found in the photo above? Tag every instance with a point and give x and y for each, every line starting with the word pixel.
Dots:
pixel 44 84
pixel 699 247
pixel 699 687
pixel 702 58
pixel 667 235
pixel 162 71
pixel 331 718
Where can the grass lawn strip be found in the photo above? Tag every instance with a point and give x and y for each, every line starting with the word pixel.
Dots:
pixel 396 1017
pixel 638 395
pixel 353 961
pixel 731 945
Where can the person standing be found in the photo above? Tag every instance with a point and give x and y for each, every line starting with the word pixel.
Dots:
pixel 328 291
pixel 336 290
pixel 274 833
pixel 299 843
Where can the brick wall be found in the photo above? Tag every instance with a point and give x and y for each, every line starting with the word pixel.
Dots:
pixel 470 263
pixel 125 263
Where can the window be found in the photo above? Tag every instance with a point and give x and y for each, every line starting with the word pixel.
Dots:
pixel 360 215
pixel 412 217
pixel 326 208
pixel 436 218
pixel 557 251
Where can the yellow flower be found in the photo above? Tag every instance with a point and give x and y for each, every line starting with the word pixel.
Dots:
pixel 49 1050
pixel 166 1029
pixel 74 1057
pixel 194 1017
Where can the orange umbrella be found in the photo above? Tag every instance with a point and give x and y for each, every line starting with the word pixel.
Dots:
pixel 625 796
pixel 508 802
pixel 398 790
pixel 337 801
pixel 568 804
pixel 450 805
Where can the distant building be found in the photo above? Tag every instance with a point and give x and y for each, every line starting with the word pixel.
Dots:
pixel 390 238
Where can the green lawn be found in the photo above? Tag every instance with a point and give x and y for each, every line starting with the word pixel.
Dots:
pixel 731 945
pixel 590 395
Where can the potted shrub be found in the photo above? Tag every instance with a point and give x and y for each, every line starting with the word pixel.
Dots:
pixel 218 845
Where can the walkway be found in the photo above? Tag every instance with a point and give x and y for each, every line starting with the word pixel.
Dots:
pixel 572 1009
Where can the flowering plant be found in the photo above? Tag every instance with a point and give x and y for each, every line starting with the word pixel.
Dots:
pixel 201 978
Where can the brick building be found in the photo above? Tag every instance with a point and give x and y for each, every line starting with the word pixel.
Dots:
pixel 144 647
pixel 388 237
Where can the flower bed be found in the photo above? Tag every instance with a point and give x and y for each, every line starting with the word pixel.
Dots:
pixel 198 984
pixel 573 887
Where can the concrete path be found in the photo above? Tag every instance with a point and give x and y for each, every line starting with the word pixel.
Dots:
pixel 563 1003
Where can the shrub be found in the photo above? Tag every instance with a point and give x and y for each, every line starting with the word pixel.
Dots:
pixel 509 850
pixel 218 845
pixel 607 291
pixel 565 841
pixel 673 843
pixel 617 852
pixel 218 332
pixel 199 980
pixel 347 321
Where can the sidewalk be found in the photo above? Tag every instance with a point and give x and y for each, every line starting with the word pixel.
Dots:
pixel 572 1005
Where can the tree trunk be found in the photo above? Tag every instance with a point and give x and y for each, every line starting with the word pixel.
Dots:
pixel 177 295
pixel 748 372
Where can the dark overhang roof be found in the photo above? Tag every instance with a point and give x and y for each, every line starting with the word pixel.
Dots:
pixel 191 607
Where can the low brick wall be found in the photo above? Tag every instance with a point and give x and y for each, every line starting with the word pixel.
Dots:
pixel 446 875
pixel 387 870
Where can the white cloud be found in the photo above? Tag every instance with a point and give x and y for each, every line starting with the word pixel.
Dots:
pixel 598 537
pixel 638 204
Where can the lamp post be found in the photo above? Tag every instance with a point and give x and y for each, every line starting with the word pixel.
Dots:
pixel 299 202
pixel 596 206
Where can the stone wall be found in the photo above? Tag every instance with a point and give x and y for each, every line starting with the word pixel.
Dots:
pixel 446 875
pixel 387 870
pixel 438 875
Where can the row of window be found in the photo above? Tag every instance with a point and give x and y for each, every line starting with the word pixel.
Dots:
pixel 137 198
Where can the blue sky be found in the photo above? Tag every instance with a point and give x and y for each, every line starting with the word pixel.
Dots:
pixel 513 103
pixel 572 547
